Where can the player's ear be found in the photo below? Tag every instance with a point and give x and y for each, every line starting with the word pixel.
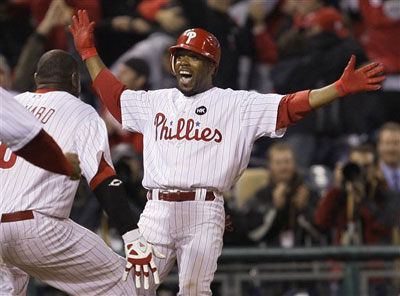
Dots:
pixel 213 68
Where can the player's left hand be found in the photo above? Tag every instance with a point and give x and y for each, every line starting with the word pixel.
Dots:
pixel 74 162
pixel 139 254
pixel 362 79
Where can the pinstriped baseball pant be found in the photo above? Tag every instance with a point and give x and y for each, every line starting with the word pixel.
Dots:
pixel 189 232
pixel 62 254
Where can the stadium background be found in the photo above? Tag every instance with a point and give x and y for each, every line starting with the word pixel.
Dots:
pixel 269 46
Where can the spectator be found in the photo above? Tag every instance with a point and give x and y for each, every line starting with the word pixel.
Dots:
pixel 123 25
pixel 57 37
pixel 166 13
pixel 281 213
pixel 380 30
pixel 265 46
pixel 358 208
pixel 134 73
pixel 57 15
pixel 389 154
pixel 378 24
pixel 155 51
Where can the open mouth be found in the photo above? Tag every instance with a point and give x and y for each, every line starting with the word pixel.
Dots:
pixel 185 76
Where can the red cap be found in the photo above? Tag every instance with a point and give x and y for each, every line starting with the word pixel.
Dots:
pixel 329 20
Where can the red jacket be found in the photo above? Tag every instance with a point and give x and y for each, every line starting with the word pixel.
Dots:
pixel 331 213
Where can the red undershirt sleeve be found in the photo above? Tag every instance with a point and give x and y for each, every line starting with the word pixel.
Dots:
pixel 292 108
pixel 44 152
pixel 109 88
pixel 105 171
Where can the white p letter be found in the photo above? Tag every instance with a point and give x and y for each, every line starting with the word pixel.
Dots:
pixel 190 35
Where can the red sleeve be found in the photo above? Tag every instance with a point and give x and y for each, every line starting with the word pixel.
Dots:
pixel 327 209
pixel 110 89
pixel 292 108
pixel 44 152
pixel 266 48
pixel 105 171
pixel 149 8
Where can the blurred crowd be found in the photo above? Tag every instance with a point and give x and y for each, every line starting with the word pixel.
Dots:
pixel 334 179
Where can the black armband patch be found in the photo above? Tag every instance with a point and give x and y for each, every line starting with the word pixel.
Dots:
pixel 113 199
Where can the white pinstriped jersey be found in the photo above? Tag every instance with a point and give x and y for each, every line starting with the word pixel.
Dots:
pixel 202 141
pixel 77 128
pixel 17 126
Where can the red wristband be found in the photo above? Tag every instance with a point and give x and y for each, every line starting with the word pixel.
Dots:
pixel 88 53
pixel 340 88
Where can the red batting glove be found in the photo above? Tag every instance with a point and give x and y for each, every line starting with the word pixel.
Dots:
pixel 82 31
pixel 362 79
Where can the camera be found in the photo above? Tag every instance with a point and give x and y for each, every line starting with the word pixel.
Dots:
pixel 353 172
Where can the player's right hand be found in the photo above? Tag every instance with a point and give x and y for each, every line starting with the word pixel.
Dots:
pixel 74 162
pixel 82 31
pixel 139 254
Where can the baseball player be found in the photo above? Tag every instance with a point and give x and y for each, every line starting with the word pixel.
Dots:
pixel 197 142
pixel 36 236
pixel 23 134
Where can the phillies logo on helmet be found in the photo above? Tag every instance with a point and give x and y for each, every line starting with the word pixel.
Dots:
pixel 190 34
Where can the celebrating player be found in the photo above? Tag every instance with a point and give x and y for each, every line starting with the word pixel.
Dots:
pixel 36 235
pixel 23 134
pixel 197 142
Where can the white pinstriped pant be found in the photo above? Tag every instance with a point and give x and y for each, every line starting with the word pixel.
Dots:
pixel 62 254
pixel 190 232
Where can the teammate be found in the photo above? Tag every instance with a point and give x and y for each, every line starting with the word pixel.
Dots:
pixel 36 236
pixel 23 134
pixel 197 142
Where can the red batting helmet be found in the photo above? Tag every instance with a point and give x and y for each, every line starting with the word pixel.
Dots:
pixel 199 41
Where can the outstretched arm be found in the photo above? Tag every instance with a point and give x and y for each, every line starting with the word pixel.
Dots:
pixel 296 106
pixel 352 81
pixel 107 86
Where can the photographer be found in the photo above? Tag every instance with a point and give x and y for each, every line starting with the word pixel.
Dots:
pixel 359 208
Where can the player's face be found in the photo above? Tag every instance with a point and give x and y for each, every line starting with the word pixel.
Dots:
pixel 193 72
